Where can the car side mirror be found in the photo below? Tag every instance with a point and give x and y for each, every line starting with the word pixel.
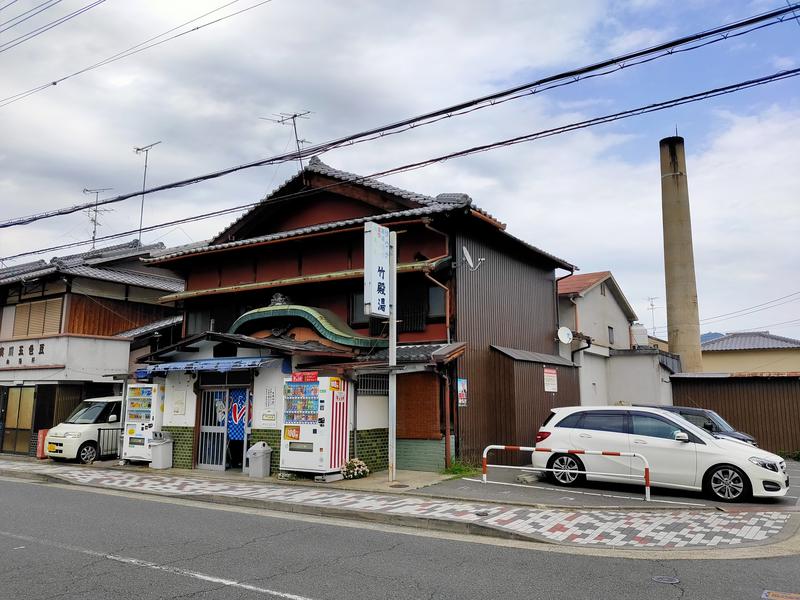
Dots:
pixel 681 436
pixel 709 426
pixel 112 418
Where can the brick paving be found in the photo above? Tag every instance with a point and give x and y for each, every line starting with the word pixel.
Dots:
pixel 621 529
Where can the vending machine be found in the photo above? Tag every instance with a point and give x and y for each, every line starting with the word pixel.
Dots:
pixel 144 414
pixel 316 423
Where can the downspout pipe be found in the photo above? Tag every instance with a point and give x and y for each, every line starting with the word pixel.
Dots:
pixel 586 347
pixel 555 296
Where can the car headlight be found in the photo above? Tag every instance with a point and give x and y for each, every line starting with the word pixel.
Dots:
pixel 763 463
pixel 73 434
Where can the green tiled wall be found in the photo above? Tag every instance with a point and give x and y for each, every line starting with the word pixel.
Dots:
pixel 273 439
pixel 373 448
pixel 183 442
pixel 422 455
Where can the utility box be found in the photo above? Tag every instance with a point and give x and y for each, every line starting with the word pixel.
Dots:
pixel 258 458
pixel 161 450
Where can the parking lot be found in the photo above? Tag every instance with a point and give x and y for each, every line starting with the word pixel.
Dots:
pixel 505 488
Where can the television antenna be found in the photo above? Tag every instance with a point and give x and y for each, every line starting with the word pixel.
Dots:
pixel 471 264
pixel 285 118
pixel 94 212
pixel 146 150
pixel 652 308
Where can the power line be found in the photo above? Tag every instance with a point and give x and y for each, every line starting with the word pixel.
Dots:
pixel 8 4
pixel 19 19
pixel 566 78
pixel 421 164
pixel 141 47
pixel 44 28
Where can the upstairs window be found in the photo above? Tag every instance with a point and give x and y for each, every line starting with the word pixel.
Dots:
pixel 610 335
pixel 38 318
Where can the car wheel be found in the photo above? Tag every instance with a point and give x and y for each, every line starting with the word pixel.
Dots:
pixel 87 453
pixel 727 484
pixel 566 469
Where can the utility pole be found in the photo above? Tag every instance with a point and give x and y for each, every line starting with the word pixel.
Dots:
pixel 284 119
pixel 146 150
pixel 93 212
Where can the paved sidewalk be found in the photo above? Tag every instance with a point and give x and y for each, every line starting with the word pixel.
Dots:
pixel 617 529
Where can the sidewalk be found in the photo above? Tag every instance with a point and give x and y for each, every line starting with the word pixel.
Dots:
pixel 632 529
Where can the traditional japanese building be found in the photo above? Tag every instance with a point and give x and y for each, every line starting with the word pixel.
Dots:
pixel 60 326
pixel 280 291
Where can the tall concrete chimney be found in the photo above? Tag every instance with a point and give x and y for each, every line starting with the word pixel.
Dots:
pixel 683 320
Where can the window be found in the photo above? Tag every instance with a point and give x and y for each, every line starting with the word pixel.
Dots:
pixel 38 318
pixel 653 426
pixel 357 316
pixel 613 422
pixel 610 335
pixel 700 420
pixel 436 303
pixel 570 420
pixel 602 289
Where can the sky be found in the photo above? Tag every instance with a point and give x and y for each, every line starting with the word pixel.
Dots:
pixel 591 197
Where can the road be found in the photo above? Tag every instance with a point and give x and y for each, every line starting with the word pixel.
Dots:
pixel 58 541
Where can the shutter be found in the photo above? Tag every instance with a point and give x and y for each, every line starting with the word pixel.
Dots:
pixel 21 317
pixel 52 319
pixel 36 320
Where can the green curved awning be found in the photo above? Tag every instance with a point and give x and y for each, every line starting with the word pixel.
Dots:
pixel 324 322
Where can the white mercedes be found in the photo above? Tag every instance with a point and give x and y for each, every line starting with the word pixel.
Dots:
pixel 681 455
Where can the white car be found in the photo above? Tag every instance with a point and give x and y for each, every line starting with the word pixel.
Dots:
pixel 681 455
pixel 90 431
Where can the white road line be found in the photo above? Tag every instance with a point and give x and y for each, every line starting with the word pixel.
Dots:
pixel 549 489
pixel 127 560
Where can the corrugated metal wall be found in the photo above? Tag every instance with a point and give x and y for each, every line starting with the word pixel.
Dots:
pixel 767 408
pixel 506 302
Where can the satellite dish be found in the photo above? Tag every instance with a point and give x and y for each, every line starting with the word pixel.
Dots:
pixel 468 257
pixel 564 335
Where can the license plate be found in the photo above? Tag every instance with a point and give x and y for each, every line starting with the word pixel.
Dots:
pixel 51 447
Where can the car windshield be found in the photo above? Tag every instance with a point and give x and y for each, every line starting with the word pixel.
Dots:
pixel 721 423
pixel 691 427
pixel 86 413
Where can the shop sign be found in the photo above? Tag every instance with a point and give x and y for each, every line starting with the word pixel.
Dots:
pixel 302 376
pixel 461 387
pixel 24 353
pixel 270 414
pixel 377 255
pixel 550 379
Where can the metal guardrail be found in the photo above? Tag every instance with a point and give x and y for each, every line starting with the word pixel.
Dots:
pixel 108 441
pixel 645 477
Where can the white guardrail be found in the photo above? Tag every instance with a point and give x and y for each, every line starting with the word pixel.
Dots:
pixel 646 475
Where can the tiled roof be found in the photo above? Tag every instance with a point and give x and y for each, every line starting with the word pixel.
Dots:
pixel 93 265
pixel 151 327
pixel 750 340
pixel 433 208
pixel 413 353
pixel 577 284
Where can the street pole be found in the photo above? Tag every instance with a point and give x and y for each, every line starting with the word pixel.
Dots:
pixel 392 353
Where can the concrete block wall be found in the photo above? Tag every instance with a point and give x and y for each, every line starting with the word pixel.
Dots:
pixel 182 445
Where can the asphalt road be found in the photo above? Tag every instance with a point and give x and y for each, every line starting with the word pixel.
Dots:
pixel 66 542
pixel 598 494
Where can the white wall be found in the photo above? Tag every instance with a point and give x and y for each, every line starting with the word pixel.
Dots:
pixel 373 412
pixel 593 379
pixel 180 401
pixel 596 312
pixel 268 384
pixel 638 379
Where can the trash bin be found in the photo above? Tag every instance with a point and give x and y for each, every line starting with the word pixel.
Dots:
pixel 258 456
pixel 161 450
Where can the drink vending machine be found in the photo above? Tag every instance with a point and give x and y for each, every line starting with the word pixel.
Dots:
pixel 316 423
pixel 144 414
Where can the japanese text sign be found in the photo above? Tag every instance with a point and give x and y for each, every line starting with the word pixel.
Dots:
pixel 377 255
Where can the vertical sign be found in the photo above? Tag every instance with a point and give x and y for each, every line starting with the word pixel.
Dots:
pixel 461 387
pixel 376 270
pixel 550 379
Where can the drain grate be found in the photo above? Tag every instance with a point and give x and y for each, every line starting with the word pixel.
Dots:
pixel 398 485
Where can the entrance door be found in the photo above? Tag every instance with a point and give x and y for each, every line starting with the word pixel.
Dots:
pixel 18 420
pixel 213 440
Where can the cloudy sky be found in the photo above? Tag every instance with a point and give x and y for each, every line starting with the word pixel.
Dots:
pixel 591 197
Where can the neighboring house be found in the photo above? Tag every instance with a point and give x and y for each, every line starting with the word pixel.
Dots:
pixel 617 362
pixel 280 291
pixel 59 323
pixel 751 352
